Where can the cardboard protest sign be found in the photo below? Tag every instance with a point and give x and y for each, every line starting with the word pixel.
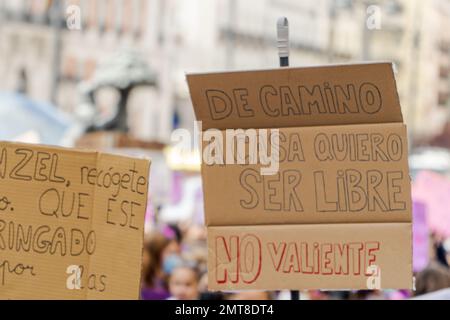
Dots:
pixel 71 223
pixel 421 237
pixel 313 155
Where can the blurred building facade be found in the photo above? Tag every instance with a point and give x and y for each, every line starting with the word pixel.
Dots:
pixel 42 57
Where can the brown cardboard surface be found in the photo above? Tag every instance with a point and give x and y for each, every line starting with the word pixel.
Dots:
pixel 333 174
pixel 334 256
pixel 61 208
pixel 296 97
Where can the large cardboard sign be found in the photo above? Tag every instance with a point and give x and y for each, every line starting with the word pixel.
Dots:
pixel 305 164
pixel 71 223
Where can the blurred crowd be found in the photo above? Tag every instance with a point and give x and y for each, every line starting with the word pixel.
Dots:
pixel 175 267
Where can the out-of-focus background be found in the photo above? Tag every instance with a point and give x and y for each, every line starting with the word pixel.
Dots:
pixel 110 75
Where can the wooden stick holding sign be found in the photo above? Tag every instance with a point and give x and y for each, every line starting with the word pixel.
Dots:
pixel 283 53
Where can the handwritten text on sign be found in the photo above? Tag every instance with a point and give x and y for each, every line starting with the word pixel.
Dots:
pixel 329 171
pixel 331 209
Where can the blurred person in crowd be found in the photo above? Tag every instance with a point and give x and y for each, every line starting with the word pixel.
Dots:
pixel 174 232
pixel 184 282
pixel 398 294
pixel 433 278
pixel 198 253
pixel 316 295
pixel 160 248
pixel 367 295
pixel 203 283
pixel 195 233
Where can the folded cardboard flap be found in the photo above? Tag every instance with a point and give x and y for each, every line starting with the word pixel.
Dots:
pixel 296 97
pixel 350 256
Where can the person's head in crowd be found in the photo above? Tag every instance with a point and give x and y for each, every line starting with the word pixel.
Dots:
pixel 441 254
pixel 154 245
pixel 153 278
pixel 328 295
pixel 433 278
pixel 197 252
pixel 317 295
pixel 173 234
pixel 203 282
pixel 250 295
pixel 184 282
